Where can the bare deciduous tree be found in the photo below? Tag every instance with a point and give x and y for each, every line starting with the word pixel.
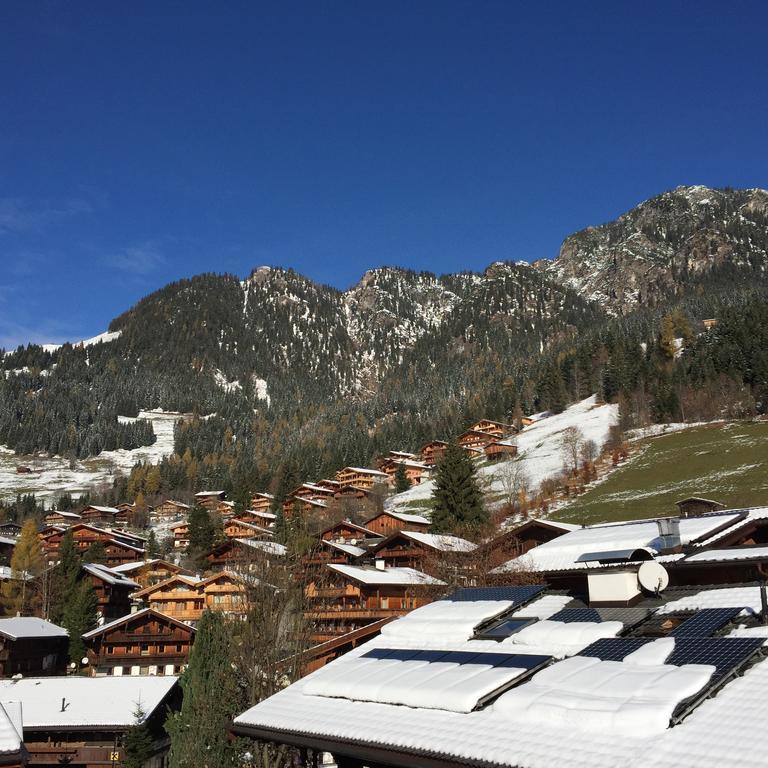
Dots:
pixel 570 444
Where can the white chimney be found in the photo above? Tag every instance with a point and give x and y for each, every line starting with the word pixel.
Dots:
pixel 613 587
pixel 380 565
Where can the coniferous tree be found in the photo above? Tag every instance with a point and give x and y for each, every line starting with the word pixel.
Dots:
pixel 402 483
pixel 280 527
pixel 64 577
pixel 212 697
pixel 96 553
pixel 80 616
pixel 153 548
pixel 457 498
pixel 138 742
pixel 21 593
pixel 201 535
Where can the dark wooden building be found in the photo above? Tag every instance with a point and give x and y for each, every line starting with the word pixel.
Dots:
pixel 32 647
pixel 113 590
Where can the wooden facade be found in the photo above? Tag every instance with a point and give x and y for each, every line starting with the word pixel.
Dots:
pixel 180 536
pixel 262 502
pixel 62 518
pixel 347 532
pixel 32 647
pixel 185 599
pixel 240 529
pixel 497 451
pixel 495 429
pixel 415 471
pixel 257 517
pixel 118 549
pixel 150 572
pixel 432 452
pixel 171 509
pixel 387 523
pixel 695 506
pixel 99 516
pixel 113 591
pixel 472 440
pixel 296 505
pixel 142 643
pixel 210 499
pixel 361 477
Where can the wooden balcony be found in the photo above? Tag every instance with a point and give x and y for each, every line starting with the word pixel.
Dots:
pixel 342 614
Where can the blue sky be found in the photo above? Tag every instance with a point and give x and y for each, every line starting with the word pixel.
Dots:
pixel 142 142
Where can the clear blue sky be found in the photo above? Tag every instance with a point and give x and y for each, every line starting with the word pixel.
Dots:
pixel 141 142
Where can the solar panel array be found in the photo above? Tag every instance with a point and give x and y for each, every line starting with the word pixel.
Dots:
pixel 501 629
pixel 456 681
pixel 570 615
pixel 517 595
pixel 705 622
pixel 726 654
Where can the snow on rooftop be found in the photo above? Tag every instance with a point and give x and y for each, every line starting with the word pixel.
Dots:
pixel 406 517
pixel 724 597
pixel 441 542
pixel 11 727
pixel 393 576
pixel 736 553
pixel 19 627
pixel 109 575
pixel 751 515
pixel 563 552
pixel 562 638
pixel 89 701
pixel 444 620
pixel 543 607
pixel 348 548
pixel 270 547
pixel 614 697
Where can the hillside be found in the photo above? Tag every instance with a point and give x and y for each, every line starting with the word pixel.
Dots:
pixel 725 462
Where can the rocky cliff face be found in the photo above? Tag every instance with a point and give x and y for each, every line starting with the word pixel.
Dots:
pixel 663 244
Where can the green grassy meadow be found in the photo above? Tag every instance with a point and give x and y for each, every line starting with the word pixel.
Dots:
pixel 727 462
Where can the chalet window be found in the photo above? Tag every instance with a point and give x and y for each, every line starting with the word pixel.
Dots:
pixel 110 649
pixel 178 648
pixel 161 648
pixel 145 649
pixel 384 602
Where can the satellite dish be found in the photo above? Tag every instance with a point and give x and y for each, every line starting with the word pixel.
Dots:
pixel 653 577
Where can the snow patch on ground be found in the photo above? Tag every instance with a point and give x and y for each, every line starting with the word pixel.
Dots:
pixel 52 475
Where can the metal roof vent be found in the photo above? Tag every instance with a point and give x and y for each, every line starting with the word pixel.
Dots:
pixel 669 534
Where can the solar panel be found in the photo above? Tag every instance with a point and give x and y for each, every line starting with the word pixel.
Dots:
pixel 502 629
pixel 726 654
pixel 705 622
pixel 457 681
pixel 614 648
pixel 517 595
pixel 569 615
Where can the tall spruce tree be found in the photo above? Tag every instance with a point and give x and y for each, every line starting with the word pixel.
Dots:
pixel 138 742
pixel 64 577
pixel 402 483
pixel 21 593
pixel 212 697
pixel 153 548
pixel 80 616
pixel 458 502
pixel 201 535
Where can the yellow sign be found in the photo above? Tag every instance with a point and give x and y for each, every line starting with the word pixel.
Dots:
pixel 114 756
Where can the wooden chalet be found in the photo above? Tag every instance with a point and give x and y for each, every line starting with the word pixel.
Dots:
pixel 82 721
pixel 319 655
pixel 352 493
pixel 185 598
pixel 361 477
pixel 415 549
pixel 243 554
pixel 113 590
pixel 180 536
pixel 148 572
pixel 499 450
pixel 297 505
pixel 119 549
pixel 236 528
pixel 349 597
pixel 62 518
pixel 6 549
pixel 210 499
pixel 495 429
pixel 386 523
pixel 432 452
pixel 98 516
pixel 347 532
pixel 694 506
pixel 257 517
pixel 525 537
pixel 415 471
pixel 12 751
pixel 32 647
pixel 10 529
pixel 225 509
pixel 262 502
pixel 474 441
pixel 710 322
pixel 312 492
pixel 332 485
pixel 141 643
pixel 395 456
pixel 328 551
pixel 171 509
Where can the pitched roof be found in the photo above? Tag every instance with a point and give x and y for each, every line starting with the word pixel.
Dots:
pixel 403 517
pixel 11 728
pixel 130 616
pixel 89 702
pixel 19 627
pixel 391 576
pixel 441 542
pixel 108 575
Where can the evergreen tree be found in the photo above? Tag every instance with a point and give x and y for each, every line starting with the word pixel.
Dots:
pixel 96 553
pixel 280 527
pixel 212 697
pixel 153 548
pixel 201 535
pixel 21 593
pixel 138 742
pixel 457 497
pixel 80 616
pixel 402 483
pixel 64 577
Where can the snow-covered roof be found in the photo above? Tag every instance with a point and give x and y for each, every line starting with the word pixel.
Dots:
pixel 581 711
pixel 129 617
pixel 347 548
pixel 404 517
pixel 392 576
pixel 721 597
pixel 109 575
pixel 736 553
pixel 134 566
pixel 19 627
pixel 440 541
pixel 71 515
pixel 209 493
pixel 270 547
pixel 750 516
pixel 88 702
pixel 563 553
pixel 6 540
pixel 265 515
pixel 365 471
pixel 11 727
pixel 107 510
